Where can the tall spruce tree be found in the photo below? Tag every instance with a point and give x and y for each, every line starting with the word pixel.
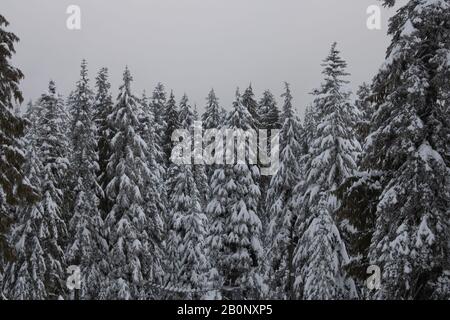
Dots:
pixel 357 196
pixel 87 247
pixel 235 234
pixel 134 230
pixel 269 115
pixel 249 102
pixel 158 105
pixel 281 204
pixel 103 107
pixel 212 118
pixel 186 244
pixel 172 124
pixel 156 201
pixel 40 232
pixel 334 150
pixel 200 170
pixel 268 118
pixel 322 251
pixel 14 190
pixel 409 146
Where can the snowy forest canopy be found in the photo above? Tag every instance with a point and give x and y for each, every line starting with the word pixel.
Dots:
pixel 88 181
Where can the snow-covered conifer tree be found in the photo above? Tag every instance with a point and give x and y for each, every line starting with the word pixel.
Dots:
pixel 235 233
pixel 249 102
pixel 281 204
pixel 269 115
pixel 188 262
pixel 103 106
pixel 409 146
pixel 268 118
pixel 158 106
pixel 134 231
pixel 200 170
pixel 333 155
pixel 86 247
pixel 171 119
pixel 211 118
pixel 322 253
pixel 40 232
pixel 14 190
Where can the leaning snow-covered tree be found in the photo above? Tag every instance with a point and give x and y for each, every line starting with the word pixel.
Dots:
pixel 410 147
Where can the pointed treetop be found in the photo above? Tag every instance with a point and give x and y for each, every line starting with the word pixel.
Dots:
pixel 238 94
pixel 9 75
pixel 186 117
pixel 102 82
pixel 84 69
pixel 127 79
pixel 211 95
pixel 159 94
pixel 287 107
pixel 52 87
pixel 249 90
pixel 334 67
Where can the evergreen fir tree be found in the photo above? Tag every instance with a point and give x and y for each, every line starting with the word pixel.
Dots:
pixel 235 233
pixel 281 205
pixel 14 190
pixel 102 108
pixel 186 243
pixel 322 253
pixel 334 151
pixel 212 118
pixel 157 191
pixel 200 172
pixel 249 102
pixel 409 146
pixel 134 230
pixel 268 119
pixel 87 247
pixel 171 119
pixel 158 106
pixel 269 115
pixel 40 232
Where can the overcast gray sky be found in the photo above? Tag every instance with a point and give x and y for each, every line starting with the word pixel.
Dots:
pixel 193 45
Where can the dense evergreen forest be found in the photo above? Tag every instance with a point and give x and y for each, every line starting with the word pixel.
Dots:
pixel 363 180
